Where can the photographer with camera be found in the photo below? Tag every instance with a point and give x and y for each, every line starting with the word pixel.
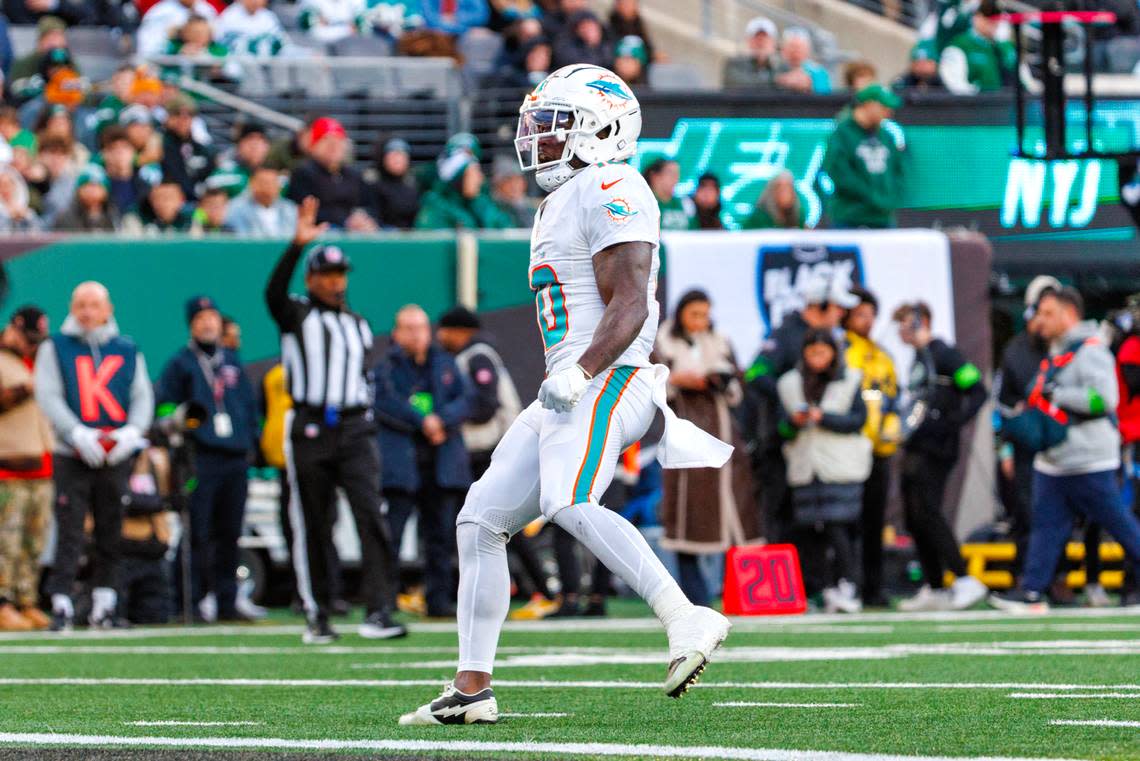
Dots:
pixel 92 384
pixel 705 510
pixel 207 374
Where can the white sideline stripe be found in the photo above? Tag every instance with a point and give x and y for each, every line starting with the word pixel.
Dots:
pixel 193 723
pixel 1074 696
pixel 749 704
pixel 259 650
pixel 471 746
pixel 545 684
pixel 816 623
pixel 1094 723
pixel 538 715
pixel 999 628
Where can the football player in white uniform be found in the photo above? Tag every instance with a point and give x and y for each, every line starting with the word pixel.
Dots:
pixel 593 269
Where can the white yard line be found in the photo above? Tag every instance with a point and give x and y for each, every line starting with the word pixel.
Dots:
pixel 193 723
pixel 538 715
pixel 555 684
pixel 469 746
pixel 1095 723
pixel 750 704
pixel 1074 696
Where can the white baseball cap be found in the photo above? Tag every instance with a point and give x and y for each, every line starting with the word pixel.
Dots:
pixel 1038 286
pixel 760 24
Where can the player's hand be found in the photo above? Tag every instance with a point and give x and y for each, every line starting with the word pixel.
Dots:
pixel 307 229
pixel 561 391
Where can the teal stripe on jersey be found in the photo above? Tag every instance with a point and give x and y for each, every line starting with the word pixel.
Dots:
pixel 604 406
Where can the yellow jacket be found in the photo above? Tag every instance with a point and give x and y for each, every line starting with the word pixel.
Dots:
pixel 880 392
pixel 277 403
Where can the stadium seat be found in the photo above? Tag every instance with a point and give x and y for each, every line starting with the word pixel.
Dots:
pixel 480 50
pixel 363 47
pixel 23 38
pixel 676 76
pixel 86 41
pixel 289 14
pixel 99 68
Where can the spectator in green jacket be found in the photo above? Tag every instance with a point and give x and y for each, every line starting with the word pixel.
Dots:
pixel 662 175
pixel 780 206
pixel 976 61
pixel 459 198
pixel 865 163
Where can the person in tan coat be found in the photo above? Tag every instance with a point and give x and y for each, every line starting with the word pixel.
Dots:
pixel 705 510
pixel 25 473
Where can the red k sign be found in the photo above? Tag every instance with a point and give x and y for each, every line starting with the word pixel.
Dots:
pixel 93 392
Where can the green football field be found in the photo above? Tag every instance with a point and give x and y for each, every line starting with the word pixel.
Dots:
pixel 875 686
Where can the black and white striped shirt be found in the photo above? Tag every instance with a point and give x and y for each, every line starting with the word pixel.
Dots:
pixel 323 349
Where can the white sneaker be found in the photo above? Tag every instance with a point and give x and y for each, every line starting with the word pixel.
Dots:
pixel 967 592
pixel 693 638
pixel 927 599
pixel 842 598
pixel 1096 596
pixel 455 707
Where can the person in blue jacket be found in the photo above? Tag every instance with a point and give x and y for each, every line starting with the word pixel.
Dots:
pixel 211 375
pixel 421 402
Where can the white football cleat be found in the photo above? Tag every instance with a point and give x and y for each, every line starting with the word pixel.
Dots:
pixel 693 639
pixel 455 707
pixel 966 592
pixel 926 599
pixel 842 598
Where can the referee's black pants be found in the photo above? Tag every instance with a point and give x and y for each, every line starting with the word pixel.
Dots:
pixel 320 458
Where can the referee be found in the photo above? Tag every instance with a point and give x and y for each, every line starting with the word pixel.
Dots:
pixel 330 437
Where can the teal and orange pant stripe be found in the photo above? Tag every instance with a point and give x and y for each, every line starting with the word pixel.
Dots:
pixel 601 418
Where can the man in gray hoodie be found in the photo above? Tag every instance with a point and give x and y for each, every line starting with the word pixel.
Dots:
pixel 93 386
pixel 1078 391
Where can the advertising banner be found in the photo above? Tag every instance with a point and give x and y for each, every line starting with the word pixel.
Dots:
pixel 755 278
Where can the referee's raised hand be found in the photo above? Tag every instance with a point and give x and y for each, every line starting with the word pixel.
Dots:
pixel 307 229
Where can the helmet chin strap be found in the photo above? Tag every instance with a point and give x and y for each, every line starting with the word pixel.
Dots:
pixel 552 178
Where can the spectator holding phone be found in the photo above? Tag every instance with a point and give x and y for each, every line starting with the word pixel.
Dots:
pixel 828 460
pixel 705 510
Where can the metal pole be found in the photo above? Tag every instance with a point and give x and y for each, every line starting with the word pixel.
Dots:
pixel 1088 30
pixel 1018 92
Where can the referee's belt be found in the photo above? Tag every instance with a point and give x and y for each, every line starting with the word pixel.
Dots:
pixel 310 410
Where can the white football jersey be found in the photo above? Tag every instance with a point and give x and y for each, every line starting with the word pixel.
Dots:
pixel 601 206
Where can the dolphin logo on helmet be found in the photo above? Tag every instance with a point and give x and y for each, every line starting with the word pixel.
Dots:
pixel 577 116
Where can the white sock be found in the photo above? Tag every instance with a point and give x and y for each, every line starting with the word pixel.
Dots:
pixel 61 604
pixel 103 600
pixel 484 594
pixel 621 548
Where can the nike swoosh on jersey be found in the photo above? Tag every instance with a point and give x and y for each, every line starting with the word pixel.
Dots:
pixel 608 185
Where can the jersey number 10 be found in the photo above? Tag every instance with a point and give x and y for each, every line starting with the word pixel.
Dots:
pixel 550 300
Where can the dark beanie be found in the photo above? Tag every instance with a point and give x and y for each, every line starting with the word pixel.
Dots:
pixel 459 317
pixel 198 304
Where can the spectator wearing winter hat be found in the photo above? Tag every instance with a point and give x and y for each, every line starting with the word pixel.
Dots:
pixel 184 160
pixel 91 210
pixel 757 68
pixel 459 198
pixel 922 74
pixel 208 374
pixel 508 189
pixel 631 60
pixel 706 204
pixel 582 41
pixel 326 176
pixel 625 21
pixel 139 123
pixel 397 198
pixel 27 76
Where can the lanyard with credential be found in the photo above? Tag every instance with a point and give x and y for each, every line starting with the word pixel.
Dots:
pixel 223 426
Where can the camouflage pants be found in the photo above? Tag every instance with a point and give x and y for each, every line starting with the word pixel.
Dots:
pixel 25 516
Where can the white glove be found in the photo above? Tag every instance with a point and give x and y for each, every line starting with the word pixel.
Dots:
pixel 87 445
pixel 561 391
pixel 128 440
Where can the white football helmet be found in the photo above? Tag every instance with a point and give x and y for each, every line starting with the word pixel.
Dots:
pixel 579 112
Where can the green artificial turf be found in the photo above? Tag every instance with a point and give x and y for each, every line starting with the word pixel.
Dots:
pixel 920 721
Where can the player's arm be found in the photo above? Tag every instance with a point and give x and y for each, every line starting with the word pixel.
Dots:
pixel 622 272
